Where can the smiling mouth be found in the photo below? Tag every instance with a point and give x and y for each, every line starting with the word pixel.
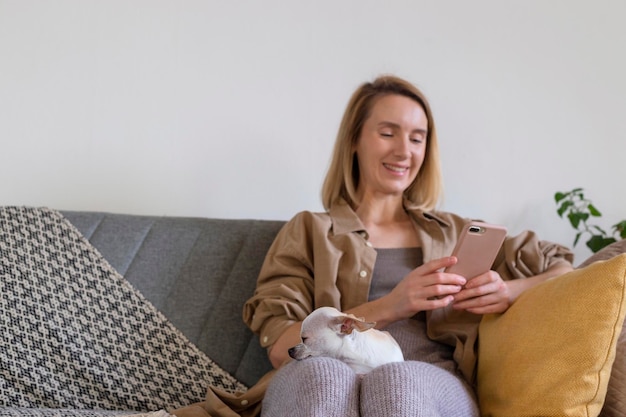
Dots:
pixel 395 168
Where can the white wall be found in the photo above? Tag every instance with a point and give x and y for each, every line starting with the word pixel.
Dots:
pixel 230 108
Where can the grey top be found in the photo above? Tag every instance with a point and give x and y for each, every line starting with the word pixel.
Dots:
pixel 391 266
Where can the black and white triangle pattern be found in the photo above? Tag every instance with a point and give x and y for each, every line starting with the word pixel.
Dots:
pixel 75 335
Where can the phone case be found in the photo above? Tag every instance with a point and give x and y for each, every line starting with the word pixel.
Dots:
pixel 477 248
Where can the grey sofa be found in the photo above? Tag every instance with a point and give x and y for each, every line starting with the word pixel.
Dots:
pixel 197 272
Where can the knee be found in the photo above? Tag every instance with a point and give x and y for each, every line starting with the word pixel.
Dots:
pixel 316 368
pixel 414 385
pixel 408 368
pixel 410 376
pixel 312 387
pixel 312 372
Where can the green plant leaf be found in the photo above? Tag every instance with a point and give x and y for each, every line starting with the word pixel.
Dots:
pixel 563 207
pixel 559 196
pixel 576 217
pixel 578 235
pixel 620 228
pixel 594 211
pixel 599 229
pixel 597 242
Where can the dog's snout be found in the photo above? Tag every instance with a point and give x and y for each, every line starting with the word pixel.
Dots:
pixel 298 352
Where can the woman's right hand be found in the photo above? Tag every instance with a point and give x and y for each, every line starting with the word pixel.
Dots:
pixel 427 287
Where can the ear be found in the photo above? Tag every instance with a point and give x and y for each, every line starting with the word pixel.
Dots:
pixel 346 324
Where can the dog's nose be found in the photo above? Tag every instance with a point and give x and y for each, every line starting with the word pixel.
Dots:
pixel 292 352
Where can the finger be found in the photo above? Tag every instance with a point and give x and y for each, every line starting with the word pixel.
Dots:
pixel 465 301
pixel 489 309
pixel 478 281
pixel 473 293
pixel 438 264
pixel 471 306
pixel 435 303
pixel 483 279
pixel 440 291
pixel 443 279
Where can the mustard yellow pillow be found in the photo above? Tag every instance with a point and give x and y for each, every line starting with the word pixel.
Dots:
pixel 551 353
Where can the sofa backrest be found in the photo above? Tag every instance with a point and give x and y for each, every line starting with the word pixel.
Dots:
pixel 197 271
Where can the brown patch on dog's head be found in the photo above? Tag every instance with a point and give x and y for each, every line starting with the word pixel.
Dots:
pixel 348 323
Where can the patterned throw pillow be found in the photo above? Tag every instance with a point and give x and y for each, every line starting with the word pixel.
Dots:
pixel 75 334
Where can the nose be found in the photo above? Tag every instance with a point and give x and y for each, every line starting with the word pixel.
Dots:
pixel 292 351
pixel 402 146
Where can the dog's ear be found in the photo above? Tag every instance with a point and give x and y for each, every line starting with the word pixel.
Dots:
pixel 346 324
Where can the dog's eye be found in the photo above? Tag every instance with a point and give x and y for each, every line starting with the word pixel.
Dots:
pixel 304 339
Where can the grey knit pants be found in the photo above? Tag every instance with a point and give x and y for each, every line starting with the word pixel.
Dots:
pixel 324 387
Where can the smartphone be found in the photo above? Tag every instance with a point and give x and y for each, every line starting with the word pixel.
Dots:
pixel 477 248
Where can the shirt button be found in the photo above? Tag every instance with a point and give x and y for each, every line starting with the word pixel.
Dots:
pixel 363 274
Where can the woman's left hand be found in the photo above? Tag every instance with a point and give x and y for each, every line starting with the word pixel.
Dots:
pixel 489 293
pixel 484 294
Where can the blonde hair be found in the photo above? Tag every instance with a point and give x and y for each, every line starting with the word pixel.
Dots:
pixel 342 178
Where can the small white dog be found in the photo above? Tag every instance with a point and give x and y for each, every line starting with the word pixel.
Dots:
pixel 328 332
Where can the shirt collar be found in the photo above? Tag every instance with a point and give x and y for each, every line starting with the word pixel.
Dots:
pixel 345 220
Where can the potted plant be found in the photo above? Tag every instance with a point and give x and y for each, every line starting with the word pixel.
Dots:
pixel 579 211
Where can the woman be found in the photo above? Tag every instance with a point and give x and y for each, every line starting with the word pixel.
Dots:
pixel 378 253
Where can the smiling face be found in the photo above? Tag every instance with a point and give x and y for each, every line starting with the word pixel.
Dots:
pixel 391 147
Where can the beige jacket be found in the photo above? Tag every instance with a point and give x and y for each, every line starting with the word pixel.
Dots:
pixel 325 259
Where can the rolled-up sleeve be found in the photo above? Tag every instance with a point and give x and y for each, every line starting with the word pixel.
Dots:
pixel 525 255
pixel 285 287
